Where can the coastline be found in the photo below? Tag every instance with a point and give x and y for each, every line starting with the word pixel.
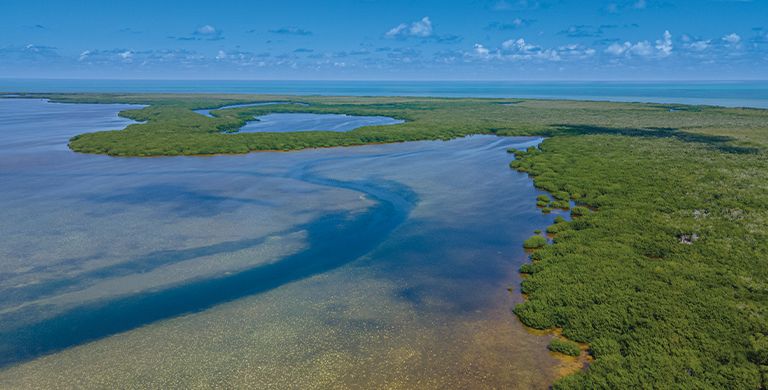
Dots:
pixel 656 177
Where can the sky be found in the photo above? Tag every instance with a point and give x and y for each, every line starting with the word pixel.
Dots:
pixel 386 40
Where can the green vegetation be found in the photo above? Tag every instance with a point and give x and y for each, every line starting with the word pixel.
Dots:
pixel 558 227
pixel 172 128
pixel 579 211
pixel 653 308
pixel 566 347
pixel 535 242
pixel 657 307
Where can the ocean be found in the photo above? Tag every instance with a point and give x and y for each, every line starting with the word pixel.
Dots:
pixel 719 93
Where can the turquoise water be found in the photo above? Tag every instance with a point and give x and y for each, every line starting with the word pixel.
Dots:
pixel 726 93
pixel 372 266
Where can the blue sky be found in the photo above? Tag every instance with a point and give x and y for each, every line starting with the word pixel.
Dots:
pixel 386 39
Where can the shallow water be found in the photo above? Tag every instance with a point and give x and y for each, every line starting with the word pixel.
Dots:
pixel 281 123
pixel 375 266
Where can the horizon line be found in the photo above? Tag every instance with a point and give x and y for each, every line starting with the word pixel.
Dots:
pixel 385 80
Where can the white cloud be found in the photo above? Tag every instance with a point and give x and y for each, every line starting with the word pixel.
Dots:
pixel 482 51
pixel 663 48
pixel 732 39
pixel 421 28
pixel 126 55
pixel 206 30
pixel 521 50
pixel 642 48
pixel 699 45
pixel 517 44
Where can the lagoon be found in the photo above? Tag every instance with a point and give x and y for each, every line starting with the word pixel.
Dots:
pixel 283 123
pixel 380 265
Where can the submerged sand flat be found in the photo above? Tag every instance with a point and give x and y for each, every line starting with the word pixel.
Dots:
pixel 425 305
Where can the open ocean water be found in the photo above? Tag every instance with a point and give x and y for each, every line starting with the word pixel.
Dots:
pixel 719 93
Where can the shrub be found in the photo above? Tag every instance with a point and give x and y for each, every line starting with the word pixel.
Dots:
pixel 561 204
pixel 530 268
pixel 579 211
pixel 535 242
pixel 543 198
pixel 758 352
pixel 558 227
pixel 563 346
pixel 526 268
pixel 602 347
pixel 534 315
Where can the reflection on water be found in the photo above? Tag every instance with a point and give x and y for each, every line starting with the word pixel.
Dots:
pixel 381 265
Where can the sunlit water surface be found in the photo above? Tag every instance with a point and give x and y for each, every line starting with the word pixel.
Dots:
pixel 374 266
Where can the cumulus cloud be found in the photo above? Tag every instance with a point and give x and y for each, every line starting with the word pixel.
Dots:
pixel 126 56
pixel 482 51
pixel 205 30
pixel 521 50
pixel 699 45
pixel 202 33
pixel 732 39
pixel 421 28
pixel 208 32
pixel 662 48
